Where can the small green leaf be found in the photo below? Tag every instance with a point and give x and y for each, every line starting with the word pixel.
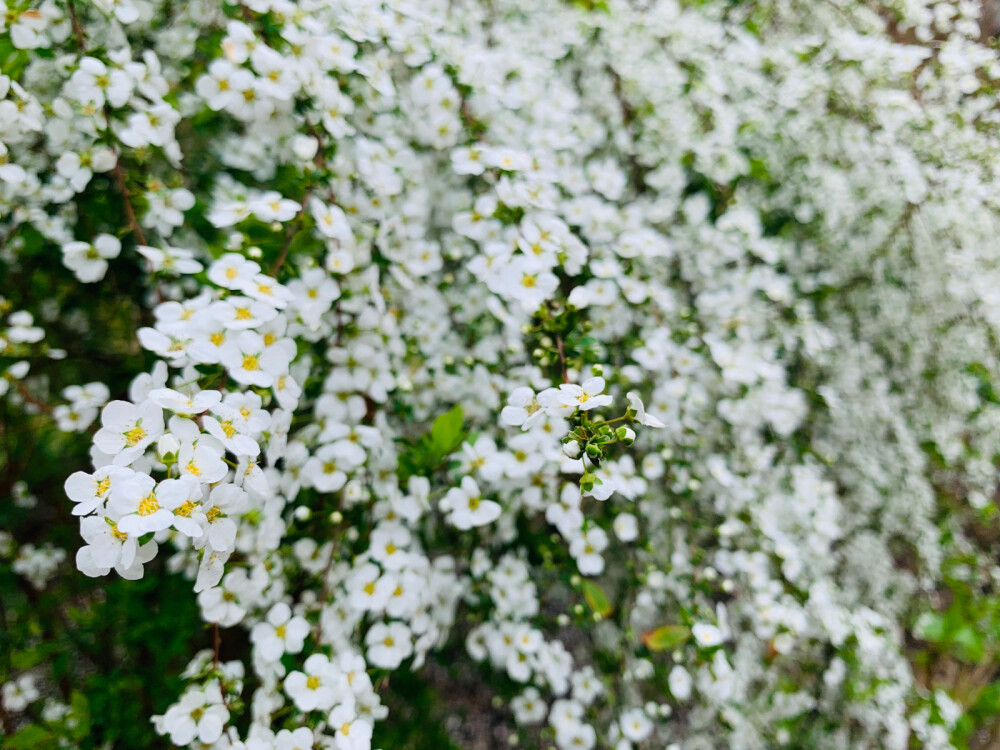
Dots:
pixel 666 637
pixel 22 660
pixel 596 598
pixel 29 738
pixel 446 432
pixel 969 643
pixel 81 712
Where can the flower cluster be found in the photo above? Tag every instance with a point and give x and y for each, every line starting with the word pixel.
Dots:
pixel 405 277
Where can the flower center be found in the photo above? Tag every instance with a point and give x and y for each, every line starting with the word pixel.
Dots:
pixel 250 363
pixel 186 509
pixel 148 505
pixel 134 436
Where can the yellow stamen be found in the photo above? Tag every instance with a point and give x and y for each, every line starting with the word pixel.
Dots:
pixel 148 505
pixel 134 436
pixel 186 509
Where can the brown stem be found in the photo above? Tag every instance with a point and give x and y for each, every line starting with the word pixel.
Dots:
pixel 74 21
pixel 291 234
pixel 562 358
pixel 133 223
pixel 31 399
pixel 216 645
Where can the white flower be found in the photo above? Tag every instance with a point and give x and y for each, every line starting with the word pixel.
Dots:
pixel 351 732
pixel 281 633
pixel 142 505
pixel 524 409
pixel 181 403
pixel 199 714
pixel 108 547
pixel 388 644
pixel 225 502
pixel 467 508
pixel 93 83
pixel 89 261
pixel 201 461
pixel 635 725
pixel 18 694
pixel 128 429
pixel 635 404
pixel 173 260
pixel 240 313
pixel 626 527
pixel 680 683
pixel 587 548
pixel 90 491
pixel 318 687
pixel 528 706
pixel 327 469
pixel 232 271
pixel 583 397
pixel 706 635
pixel 250 361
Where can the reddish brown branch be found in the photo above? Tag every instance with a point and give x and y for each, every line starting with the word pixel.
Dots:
pixel 133 223
pixel 31 399
pixel 74 21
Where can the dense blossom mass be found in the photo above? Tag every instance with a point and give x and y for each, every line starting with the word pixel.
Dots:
pixel 640 351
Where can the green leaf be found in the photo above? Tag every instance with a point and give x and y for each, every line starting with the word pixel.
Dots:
pixel 446 432
pixel 930 626
pixel 30 738
pixel 29 658
pixel 969 644
pixel 666 637
pixel 596 598
pixel 81 712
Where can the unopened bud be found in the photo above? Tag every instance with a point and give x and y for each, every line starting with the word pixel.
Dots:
pixel 571 450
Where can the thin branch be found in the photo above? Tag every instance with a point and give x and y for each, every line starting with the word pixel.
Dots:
pixel 33 400
pixel 74 20
pixel 291 234
pixel 133 223
pixel 562 358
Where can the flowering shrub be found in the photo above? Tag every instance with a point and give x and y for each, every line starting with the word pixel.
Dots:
pixel 639 355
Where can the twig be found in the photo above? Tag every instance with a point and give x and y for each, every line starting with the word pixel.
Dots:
pixel 291 234
pixel 133 223
pixel 74 21
pixel 562 358
pixel 33 400
pixel 216 645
